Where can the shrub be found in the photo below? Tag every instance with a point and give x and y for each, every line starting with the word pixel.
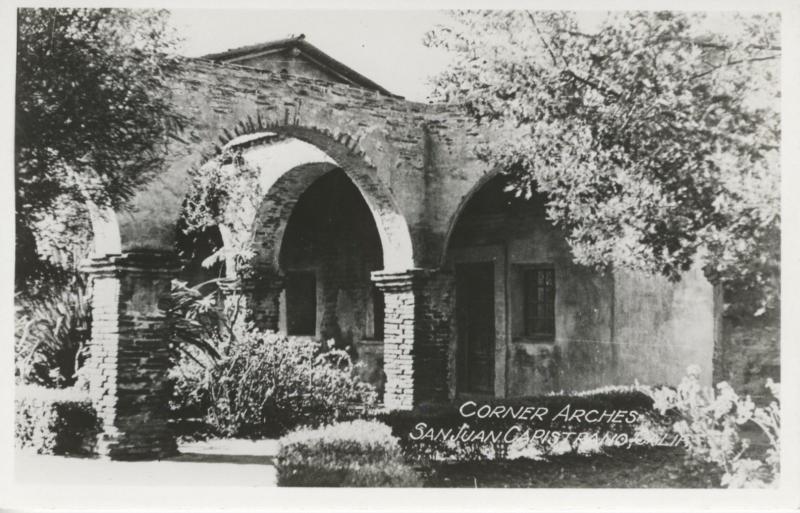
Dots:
pixel 356 453
pixel 264 384
pixel 55 421
pixel 246 382
pixel 711 425
pixel 443 418
pixel 51 335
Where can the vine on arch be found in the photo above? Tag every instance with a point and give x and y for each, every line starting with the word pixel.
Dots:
pixel 225 193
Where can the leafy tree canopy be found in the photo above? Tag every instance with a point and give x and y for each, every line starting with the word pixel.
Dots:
pixel 655 135
pixel 92 107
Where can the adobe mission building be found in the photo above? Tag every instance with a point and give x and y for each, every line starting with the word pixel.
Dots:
pixel 376 226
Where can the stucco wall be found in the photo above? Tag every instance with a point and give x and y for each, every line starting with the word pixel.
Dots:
pixel 661 327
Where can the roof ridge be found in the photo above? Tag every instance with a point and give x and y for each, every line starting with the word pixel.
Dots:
pixel 311 52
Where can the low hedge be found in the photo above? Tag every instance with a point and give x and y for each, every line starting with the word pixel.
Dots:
pixel 55 421
pixel 357 453
pixel 429 431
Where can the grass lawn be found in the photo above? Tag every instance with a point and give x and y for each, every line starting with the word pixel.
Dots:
pixel 616 468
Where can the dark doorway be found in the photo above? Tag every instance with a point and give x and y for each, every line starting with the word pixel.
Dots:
pixel 301 303
pixel 475 324
pixel 332 231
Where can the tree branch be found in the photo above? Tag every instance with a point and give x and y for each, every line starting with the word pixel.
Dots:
pixel 542 39
pixel 733 63
pixel 577 33
pixel 715 46
pixel 594 85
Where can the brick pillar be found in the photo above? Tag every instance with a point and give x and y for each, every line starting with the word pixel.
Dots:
pixel 129 356
pixel 255 298
pixel 414 344
pixel 435 336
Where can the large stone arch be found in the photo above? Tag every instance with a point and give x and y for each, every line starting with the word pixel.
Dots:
pixel 289 159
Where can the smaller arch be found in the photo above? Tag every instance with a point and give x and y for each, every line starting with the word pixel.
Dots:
pixel 277 206
pixel 289 165
pixel 477 186
pixel 105 231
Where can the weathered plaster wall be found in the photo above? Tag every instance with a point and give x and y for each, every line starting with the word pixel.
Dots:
pixel 214 98
pixel 286 61
pixel 661 327
pixel 423 154
pixel 452 175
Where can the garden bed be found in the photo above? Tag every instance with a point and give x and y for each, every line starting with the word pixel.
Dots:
pixel 614 468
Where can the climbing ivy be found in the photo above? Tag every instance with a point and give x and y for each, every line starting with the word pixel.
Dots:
pixel 224 193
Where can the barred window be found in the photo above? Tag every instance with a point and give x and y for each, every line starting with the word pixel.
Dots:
pixel 540 295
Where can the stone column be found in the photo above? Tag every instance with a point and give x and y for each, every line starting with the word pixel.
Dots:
pixel 129 354
pixel 435 336
pixel 417 332
pixel 255 298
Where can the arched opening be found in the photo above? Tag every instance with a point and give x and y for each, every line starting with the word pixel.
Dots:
pixel 518 294
pixel 287 167
pixel 330 247
pixel 490 229
pixel 318 224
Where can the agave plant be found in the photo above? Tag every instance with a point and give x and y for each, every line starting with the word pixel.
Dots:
pixel 51 335
pixel 196 318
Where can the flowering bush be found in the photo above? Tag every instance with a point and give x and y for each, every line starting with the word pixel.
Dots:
pixel 264 384
pixel 357 453
pixel 710 423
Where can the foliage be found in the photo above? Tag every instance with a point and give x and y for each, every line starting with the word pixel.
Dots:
pixel 225 193
pixel 441 418
pixel 654 135
pixel 247 382
pixel 55 421
pixel 264 384
pixel 198 327
pixel 93 111
pixel 711 425
pixel 356 453
pixel 635 468
pixel 51 335
pixel 196 318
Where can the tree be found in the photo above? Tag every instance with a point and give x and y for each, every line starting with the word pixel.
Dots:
pixel 654 135
pixel 92 111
